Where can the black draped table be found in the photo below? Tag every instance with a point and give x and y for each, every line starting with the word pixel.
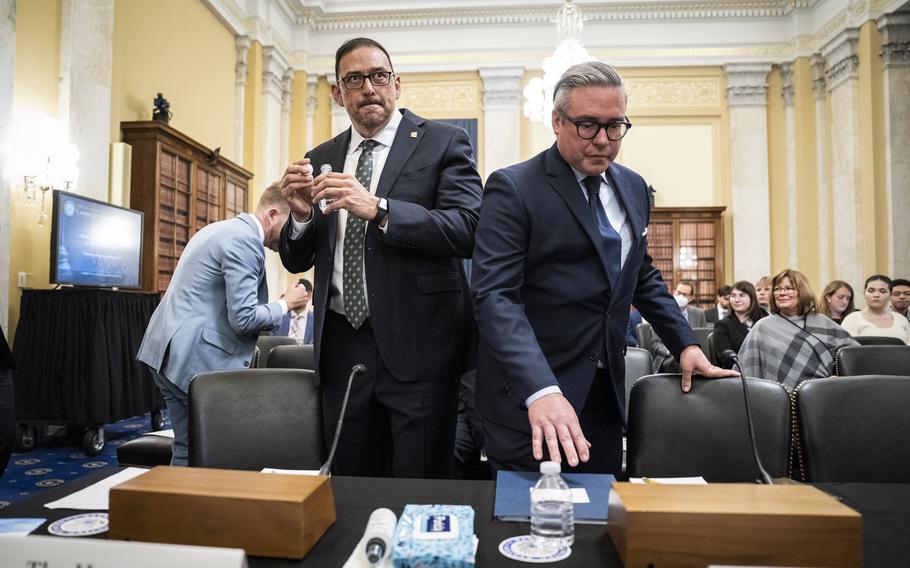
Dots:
pixel 75 353
pixel 885 509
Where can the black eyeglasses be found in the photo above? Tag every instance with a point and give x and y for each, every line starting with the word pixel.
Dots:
pixel 589 129
pixel 377 79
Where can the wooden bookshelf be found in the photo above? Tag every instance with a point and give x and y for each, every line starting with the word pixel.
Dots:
pixel 687 243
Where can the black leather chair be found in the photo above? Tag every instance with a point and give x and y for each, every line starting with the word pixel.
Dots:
pixel 644 334
pixel 703 333
pixel 877 340
pixel 638 364
pixel 292 357
pixel 873 360
pixel 712 354
pixel 148 450
pixel 854 429
pixel 255 418
pixel 264 346
pixel 705 432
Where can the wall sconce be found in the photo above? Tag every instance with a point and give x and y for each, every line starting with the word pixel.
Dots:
pixel 40 158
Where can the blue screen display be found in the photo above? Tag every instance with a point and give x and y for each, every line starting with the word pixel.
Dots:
pixel 95 243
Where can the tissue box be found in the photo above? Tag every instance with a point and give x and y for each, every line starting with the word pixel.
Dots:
pixel 434 536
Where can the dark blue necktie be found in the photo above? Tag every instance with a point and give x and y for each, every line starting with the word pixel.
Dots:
pixel 612 243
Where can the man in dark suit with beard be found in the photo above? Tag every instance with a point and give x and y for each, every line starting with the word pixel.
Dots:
pixel 390 286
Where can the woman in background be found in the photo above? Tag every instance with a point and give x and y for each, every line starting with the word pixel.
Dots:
pixel 836 301
pixel 875 319
pixel 795 342
pixel 763 292
pixel 731 331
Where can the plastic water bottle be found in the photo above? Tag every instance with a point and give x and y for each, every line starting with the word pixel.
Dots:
pixel 323 203
pixel 552 511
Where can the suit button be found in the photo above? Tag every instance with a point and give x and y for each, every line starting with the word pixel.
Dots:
pixel 592 356
pixel 246 363
pixel 609 313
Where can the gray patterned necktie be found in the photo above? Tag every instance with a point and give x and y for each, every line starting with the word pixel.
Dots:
pixel 356 309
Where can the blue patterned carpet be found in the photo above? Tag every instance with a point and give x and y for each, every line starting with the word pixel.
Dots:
pixel 60 458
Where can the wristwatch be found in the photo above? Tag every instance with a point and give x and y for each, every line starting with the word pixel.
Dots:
pixel 382 211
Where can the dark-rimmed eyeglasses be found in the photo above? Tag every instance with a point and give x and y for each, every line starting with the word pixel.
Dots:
pixel 589 129
pixel 377 79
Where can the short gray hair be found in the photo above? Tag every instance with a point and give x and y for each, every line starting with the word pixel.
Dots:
pixel 587 74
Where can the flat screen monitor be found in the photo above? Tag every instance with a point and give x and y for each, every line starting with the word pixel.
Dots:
pixel 94 243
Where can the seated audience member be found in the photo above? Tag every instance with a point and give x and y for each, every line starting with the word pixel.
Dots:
pixel 662 361
pixel 875 319
pixel 900 296
pixel 634 319
pixel 836 301
pixel 299 323
pixel 731 331
pixel 7 403
pixel 795 342
pixel 763 292
pixel 722 309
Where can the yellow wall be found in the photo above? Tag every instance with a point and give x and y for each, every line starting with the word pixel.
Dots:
pixel 35 91
pixel 806 174
pixel 297 136
pixel 872 188
pixel 180 49
pixel 777 175
pixel 252 120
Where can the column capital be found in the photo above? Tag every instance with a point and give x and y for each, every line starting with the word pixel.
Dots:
pixel 312 82
pixel 242 49
pixel 818 76
pixel 895 30
pixel 287 81
pixel 502 86
pixel 787 89
pixel 841 58
pixel 274 66
pixel 747 83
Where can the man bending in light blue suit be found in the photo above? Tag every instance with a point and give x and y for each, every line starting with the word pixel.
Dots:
pixel 215 307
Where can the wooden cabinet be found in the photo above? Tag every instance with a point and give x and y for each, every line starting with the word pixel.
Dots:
pixel 687 243
pixel 181 186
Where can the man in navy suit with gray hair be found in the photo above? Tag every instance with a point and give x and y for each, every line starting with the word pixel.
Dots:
pixel 560 254
pixel 215 306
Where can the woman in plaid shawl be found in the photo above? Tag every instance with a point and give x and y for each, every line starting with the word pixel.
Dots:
pixel 795 342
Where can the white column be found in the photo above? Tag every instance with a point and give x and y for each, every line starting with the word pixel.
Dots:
pixel 821 170
pixel 311 85
pixel 7 63
pixel 287 83
pixel 747 101
pixel 501 117
pixel 895 29
pixel 786 93
pixel 274 67
pixel 86 36
pixel 242 45
pixel 842 73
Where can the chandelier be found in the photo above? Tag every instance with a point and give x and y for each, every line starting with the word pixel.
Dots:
pixel 538 93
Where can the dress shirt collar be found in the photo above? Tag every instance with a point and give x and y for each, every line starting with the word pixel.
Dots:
pixel 259 228
pixel 580 176
pixel 385 136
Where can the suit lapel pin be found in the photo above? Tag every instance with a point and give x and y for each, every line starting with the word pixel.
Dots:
pixel 414 134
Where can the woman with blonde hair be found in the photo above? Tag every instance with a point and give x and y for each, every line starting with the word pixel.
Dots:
pixel 763 292
pixel 795 342
pixel 836 301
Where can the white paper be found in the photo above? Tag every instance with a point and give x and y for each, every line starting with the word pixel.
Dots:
pixel 579 494
pixel 670 480
pixel 95 497
pixel 163 433
pixel 290 471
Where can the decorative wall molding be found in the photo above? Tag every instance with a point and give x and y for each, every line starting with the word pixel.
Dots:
pixel 287 82
pixel 819 84
pixel 841 58
pixel 242 46
pixel 274 67
pixel 682 92
pixel 787 89
pixel 747 84
pixel 895 30
pixel 452 96
pixel 501 86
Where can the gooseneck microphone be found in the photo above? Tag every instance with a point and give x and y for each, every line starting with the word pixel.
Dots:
pixel 732 356
pixel 357 369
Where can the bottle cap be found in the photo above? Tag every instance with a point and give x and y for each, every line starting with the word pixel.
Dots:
pixel 548 467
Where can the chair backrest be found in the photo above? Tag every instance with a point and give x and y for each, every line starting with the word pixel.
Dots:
pixel 712 354
pixel 644 334
pixel 703 333
pixel 877 340
pixel 265 343
pixel 705 431
pixel 292 357
pixel 638 364
pixel 873 360
pixel 255 418
pixel 854 429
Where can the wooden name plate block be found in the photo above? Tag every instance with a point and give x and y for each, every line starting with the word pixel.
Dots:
pixel 759 525
pixel 265 514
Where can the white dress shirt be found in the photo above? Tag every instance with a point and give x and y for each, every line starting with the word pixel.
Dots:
pixel 385 137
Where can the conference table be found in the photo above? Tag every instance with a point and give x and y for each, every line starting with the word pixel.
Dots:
pixel 885 509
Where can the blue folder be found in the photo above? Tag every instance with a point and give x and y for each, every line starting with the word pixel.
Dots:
pixel 513 495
